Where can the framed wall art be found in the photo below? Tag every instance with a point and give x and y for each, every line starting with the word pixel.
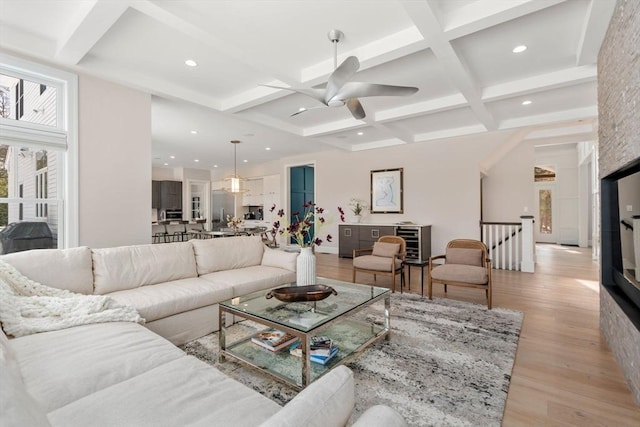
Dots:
pixel 386 191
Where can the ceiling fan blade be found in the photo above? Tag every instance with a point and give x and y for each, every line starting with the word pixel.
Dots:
pixel 306 109
pixel 317 94
pixel 340 76
pixel 359 90
pixel 356 108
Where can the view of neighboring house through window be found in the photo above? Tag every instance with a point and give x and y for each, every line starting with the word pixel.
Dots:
pixel 30 163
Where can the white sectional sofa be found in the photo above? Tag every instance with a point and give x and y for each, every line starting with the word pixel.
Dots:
pixel 176 287
pixel 126 374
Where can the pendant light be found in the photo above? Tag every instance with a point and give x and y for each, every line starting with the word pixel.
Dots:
pixel 235 182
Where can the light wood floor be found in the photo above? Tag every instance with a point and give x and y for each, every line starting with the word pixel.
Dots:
pixel 564 373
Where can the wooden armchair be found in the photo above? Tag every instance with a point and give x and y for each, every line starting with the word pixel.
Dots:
pixel 385 258
pixel 466 264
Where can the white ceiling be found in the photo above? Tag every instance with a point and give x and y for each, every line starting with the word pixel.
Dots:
pixel 457 52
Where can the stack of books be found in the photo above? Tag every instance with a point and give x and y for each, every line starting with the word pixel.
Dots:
pixel 321 349
pixel 273 339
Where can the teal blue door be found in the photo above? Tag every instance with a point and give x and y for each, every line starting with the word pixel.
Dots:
pixel 301 179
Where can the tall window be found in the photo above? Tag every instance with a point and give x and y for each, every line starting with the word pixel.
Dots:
pixel 38 147
pixel 546 225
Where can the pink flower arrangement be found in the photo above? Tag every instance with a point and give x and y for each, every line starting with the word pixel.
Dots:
pixel 302 230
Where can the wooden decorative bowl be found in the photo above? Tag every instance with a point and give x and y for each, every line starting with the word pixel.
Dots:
pixel 302 293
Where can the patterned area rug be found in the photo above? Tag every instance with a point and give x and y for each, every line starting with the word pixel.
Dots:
pixel 448 363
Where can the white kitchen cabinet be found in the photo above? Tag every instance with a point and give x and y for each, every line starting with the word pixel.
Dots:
pixel 271 196
pixel 252 197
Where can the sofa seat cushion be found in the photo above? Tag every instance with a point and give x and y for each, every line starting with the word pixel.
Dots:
pixel 376 263
pixel 129 267
pixel 17 407
pixel 182 392
pixel 62 366
pixel 227 253
pixel 243 281
pixel 166 299
pixel 460 273
pixel 69 269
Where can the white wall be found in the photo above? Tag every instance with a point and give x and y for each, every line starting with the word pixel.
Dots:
pixel 441 184
pixel 508 186
pixel 114 164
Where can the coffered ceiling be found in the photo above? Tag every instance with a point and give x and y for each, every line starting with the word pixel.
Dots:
pixel 457 52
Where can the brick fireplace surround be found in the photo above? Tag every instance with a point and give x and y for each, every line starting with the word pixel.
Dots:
pixel 619 144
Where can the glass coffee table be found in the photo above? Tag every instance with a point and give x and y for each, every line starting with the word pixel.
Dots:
pixel 332 317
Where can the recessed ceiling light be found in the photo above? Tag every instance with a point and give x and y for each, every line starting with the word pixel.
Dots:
pixel 360 133
pixel 166 164
pixel 215 166
pixel 302 109
pixel 191 63
pixel 196 160
pixel 527 102
pixel 246 161
pixel 519 49
pixel 194 132
pixel 267 148
pixel 172 157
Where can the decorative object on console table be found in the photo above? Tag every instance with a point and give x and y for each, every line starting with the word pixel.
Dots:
pixel 357 207
pixel 304 231
pixel 387 191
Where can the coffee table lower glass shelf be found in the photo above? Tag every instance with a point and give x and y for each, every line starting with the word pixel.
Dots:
pixel 332 317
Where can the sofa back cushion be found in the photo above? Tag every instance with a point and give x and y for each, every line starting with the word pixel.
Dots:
pixel 68 269
pixel 17 407
pixel 129 267
pixel 464 256
pixel 280 259
pixel 227 253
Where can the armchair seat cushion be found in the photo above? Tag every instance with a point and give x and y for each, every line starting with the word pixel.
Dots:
pixel 460 273
pixel 376 263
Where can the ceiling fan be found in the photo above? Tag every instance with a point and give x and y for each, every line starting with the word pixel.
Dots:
pixel 341 91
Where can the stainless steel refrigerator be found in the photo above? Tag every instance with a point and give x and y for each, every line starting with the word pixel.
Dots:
pixel 222 204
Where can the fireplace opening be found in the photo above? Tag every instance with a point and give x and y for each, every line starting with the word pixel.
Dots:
pixel 620 209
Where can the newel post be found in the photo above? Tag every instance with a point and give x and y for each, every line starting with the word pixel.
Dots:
pixel 528 245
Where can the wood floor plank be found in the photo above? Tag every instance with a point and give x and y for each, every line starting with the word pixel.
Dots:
pixel 564 373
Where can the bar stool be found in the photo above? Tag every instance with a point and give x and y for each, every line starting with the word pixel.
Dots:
pixel 198 232
pixel 162 236
pixel 183 235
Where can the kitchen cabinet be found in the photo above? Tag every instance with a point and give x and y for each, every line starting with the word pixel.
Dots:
pixel 271 195
pixel 155 194
pixel 253 197
pixel 171 195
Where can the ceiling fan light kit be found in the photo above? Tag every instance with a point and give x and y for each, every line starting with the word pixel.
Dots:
pixel 340 91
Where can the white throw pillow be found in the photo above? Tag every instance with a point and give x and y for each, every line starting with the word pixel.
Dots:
pixel 280 259
pixel 227 253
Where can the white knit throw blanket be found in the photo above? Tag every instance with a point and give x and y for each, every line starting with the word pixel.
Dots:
pixel 28 307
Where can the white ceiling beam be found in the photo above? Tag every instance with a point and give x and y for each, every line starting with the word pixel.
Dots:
pixel 594 30
pixel 254 97
pixel 30 44
pixel 435 105
pixel 426 21
pixel 377 144
pixel 552 80
pixel 482 14
pixel 269 121
pixel 449 133
pixel 557 116
pixel 564 139
pixel 333 127
pixel 87 27
pixel 561 129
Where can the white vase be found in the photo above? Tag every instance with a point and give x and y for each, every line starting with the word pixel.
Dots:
pixel 356 219
pixel 306 267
